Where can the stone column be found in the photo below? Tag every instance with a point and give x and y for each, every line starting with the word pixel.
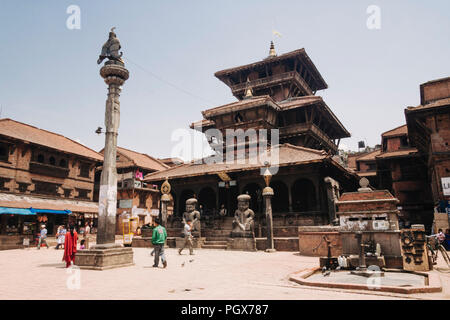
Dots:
pixel 165 199
pixel 268 194
pixel 330 185
pixel 115 75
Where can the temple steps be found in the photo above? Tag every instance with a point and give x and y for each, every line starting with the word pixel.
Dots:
pixel 214 246
pixel 215 243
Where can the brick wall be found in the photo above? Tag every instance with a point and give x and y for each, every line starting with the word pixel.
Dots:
pixel 17 170
pixel 435 90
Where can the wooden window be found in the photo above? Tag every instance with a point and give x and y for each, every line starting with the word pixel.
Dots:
pixel 4 152
pixel 46 188
pixel 63 163
pixel 40 158
pixel 23 186
pixel 142 200
pixel 67 193
pixel 84 170
pixel 2 184
pixel 52 161
pixel 83 193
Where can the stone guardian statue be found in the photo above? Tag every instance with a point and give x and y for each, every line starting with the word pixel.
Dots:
pixel 243 223
pixel 193 215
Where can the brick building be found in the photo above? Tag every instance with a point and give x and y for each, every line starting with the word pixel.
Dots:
pixel 402 170
pixel 134 196
pixel 44 176
pixel 429 131
pixel 366 167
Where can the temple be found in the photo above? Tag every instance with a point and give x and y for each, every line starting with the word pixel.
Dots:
pixel 275 93
pixel 278 92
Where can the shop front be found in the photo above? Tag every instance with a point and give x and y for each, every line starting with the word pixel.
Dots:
pixel 20 226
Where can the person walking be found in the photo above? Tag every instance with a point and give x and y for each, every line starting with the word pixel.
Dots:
pixel 223 213
pixel 159 237
pixel 187 238
pixel 61 235
pixel 70 246
pixel 87 229
pixel 42 237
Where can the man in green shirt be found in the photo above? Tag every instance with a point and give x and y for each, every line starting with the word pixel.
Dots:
pixel 159 237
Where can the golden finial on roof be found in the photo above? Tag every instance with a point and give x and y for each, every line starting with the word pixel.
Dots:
pixel 272 52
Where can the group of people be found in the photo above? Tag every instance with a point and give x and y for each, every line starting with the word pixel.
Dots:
pixel 68 239
pixel 159 237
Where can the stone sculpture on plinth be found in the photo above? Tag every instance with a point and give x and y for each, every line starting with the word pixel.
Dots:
pixel 243 223
pixel 106 253
pixel 243 233
pixel 194 216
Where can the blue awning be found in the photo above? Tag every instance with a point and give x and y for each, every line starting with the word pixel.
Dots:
pixel 6 210
pixel 31 211
pixel 35 211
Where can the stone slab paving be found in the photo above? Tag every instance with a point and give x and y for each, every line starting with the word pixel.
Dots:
pixel 210 274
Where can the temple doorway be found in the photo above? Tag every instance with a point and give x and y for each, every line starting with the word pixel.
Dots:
pixel 303 196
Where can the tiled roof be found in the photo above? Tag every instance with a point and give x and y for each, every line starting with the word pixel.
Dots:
pixel 141 160
pixel 431 105
pixel 299 102
pixel 26 132
pixel 369 156
pixel 398 153
pixel 26 201
pixel 240 105
pixel 399 131
pixel 300 53
pixel 202 123
pixel 288 155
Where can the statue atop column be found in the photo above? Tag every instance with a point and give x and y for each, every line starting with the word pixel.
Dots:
pixel 243 223
pixel 111 49
pixel 193 215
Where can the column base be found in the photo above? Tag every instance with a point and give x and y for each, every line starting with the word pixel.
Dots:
pixel 104 257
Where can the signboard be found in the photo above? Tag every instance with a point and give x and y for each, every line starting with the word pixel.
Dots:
pixel 127 203
pixel 154 212
pixel 446 186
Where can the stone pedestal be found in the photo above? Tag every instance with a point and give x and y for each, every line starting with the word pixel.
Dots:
pixel 102 257
pixel 246 244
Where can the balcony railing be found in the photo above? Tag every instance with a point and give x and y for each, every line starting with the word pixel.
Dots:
pixel 48 169
pixel 300 128
pixel 275 78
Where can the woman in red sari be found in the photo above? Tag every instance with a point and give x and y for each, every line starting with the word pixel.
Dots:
pixel 70 246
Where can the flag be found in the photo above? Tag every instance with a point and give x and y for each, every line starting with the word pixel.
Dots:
pixel 276 33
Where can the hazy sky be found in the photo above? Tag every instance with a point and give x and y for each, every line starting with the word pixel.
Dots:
pixel 50 79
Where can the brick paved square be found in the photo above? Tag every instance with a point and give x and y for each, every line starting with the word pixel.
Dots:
pixel 209 274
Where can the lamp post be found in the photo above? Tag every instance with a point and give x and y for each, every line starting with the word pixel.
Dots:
pixel 268 194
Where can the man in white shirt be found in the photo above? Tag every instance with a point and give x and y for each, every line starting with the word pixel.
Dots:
pixel 187 238
pixel 42 237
